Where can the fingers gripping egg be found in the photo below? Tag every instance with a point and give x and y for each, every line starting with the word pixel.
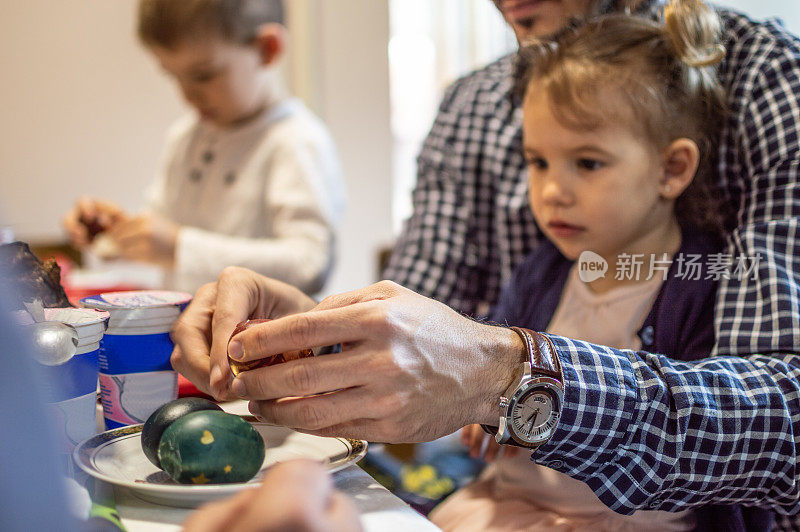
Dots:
pixel 238 366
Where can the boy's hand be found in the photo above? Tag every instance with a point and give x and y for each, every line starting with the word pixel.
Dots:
pixel 147 238
pixel 484 446
pixel 88 218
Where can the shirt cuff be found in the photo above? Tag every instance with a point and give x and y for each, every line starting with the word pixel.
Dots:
pixel 592 434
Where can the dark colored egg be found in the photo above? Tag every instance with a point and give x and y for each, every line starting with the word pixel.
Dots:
pixel 162 418
pixel 211 447
pixel 92 225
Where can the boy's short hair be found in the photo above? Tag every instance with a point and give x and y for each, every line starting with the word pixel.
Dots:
pixel 166 22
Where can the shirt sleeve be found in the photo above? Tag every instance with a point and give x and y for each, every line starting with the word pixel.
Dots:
pixel 646 432
pixel 300 247
pixel 432 255
pixel 757 311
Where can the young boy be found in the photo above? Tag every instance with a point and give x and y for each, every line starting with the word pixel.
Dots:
pixel 251 179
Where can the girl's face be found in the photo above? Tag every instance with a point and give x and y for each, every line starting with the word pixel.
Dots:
pixel 595 190
pixel 221 80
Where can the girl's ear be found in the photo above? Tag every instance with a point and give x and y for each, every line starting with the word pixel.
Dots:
pixel 271 43
pixel 681 159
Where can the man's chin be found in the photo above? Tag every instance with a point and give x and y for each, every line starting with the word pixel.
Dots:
pixel 534 30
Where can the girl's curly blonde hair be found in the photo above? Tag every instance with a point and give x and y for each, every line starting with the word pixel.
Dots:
pixel 662 76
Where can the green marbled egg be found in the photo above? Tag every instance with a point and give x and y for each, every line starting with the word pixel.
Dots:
pixel 211 447
pixel 165 416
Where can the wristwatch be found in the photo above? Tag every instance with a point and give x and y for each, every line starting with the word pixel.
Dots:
pixel 530 409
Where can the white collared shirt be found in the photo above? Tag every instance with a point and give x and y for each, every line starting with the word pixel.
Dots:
pixel 265 195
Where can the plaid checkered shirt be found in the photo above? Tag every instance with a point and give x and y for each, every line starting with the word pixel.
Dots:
pixel 643 431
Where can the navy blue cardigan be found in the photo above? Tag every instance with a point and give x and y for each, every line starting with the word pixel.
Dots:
pixel 680 325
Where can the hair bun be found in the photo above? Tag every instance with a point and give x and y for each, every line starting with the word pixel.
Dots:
pixel 693 29
pixel 711 58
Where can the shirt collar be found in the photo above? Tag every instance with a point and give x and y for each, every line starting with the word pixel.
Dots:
pixel 270 115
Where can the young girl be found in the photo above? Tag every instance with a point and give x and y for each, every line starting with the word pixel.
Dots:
pixel 618 119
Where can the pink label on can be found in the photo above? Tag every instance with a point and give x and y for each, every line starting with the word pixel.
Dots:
pixel 130 398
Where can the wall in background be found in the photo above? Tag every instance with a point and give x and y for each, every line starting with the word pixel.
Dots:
pixel 85 110
pixel 787 10
pixel 433 43
pixel 349 71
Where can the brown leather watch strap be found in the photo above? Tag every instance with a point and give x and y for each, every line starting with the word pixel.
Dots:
pixel 541 353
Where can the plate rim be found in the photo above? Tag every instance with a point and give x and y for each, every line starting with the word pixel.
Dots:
pixel 82 458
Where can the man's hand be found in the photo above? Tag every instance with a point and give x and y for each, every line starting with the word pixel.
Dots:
pixel 411 369
pixel 147 238
pixel 296 495
pixel 201 333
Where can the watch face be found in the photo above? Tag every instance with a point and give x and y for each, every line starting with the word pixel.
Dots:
pixel 534 416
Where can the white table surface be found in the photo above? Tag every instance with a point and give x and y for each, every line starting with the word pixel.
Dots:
pixel 380 510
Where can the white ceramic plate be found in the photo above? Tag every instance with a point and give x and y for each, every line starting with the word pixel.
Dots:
pixel 116 456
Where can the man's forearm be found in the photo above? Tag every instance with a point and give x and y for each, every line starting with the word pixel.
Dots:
pixel 646 432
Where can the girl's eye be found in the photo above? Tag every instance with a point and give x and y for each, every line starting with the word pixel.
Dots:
pixel 589 164
pixel 537 162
